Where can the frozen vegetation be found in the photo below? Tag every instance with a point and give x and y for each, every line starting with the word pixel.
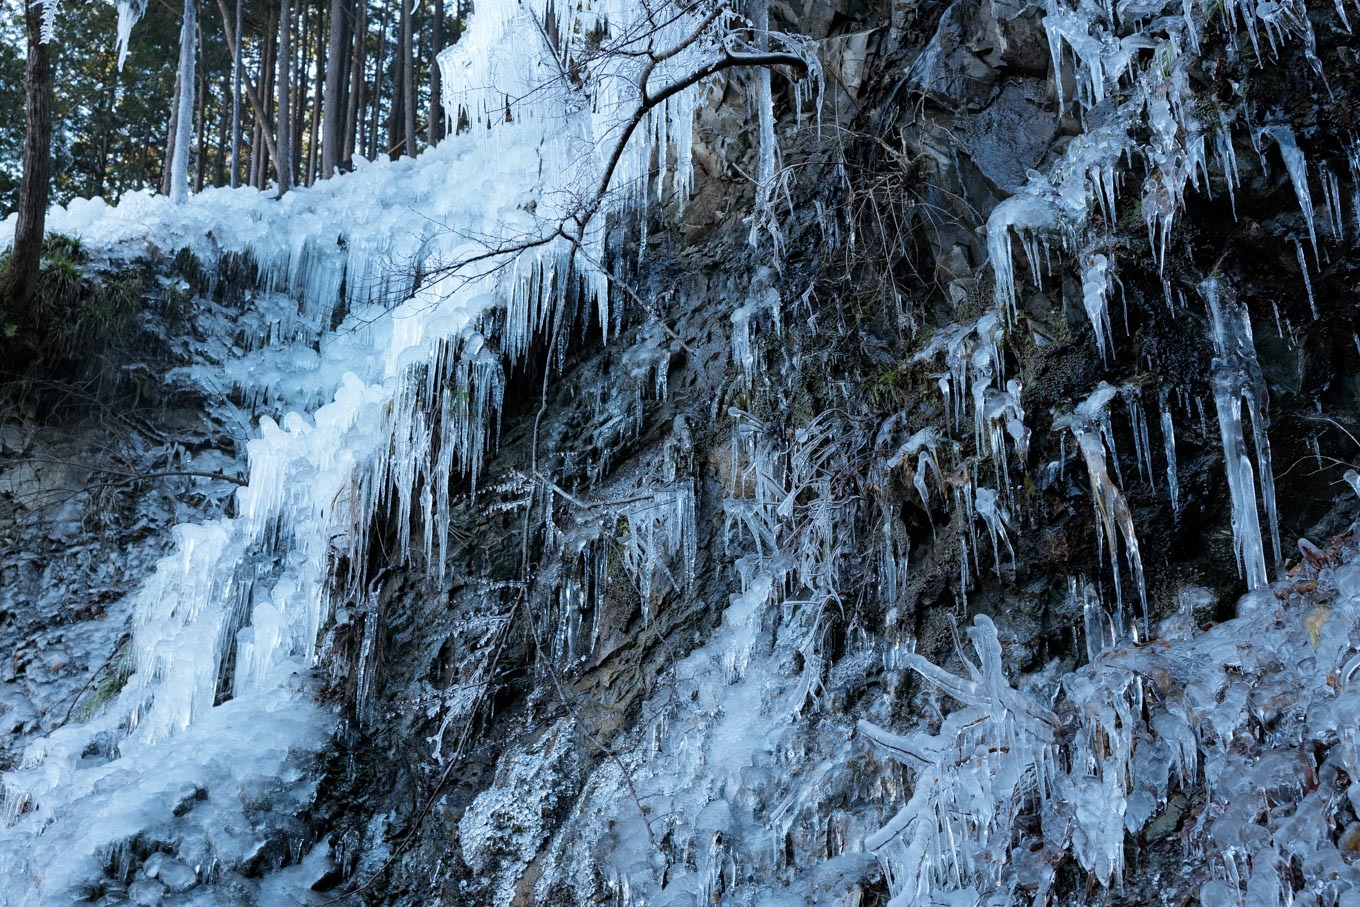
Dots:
pixel 1258 712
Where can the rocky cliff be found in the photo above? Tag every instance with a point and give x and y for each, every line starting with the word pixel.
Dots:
pixel 981 362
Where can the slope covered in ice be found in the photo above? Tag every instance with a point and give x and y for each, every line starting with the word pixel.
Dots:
pixel 744 763
pixel 368 418
pixel 236 612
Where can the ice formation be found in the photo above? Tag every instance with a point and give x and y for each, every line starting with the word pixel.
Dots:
pixel 245 598
pixel 376 415
pixel 1238 382
pixel 1101 754
pixel 1173 484
pixel 1090 426
pixel 1095 287
pixel 695 800
pixel 129 12
pixel 1138 723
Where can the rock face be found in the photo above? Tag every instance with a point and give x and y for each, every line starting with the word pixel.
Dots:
pixel 101 459
pixel 615 699
pixel 96 463
pixel 992 376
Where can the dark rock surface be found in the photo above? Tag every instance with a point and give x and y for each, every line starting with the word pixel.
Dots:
pixel 951 107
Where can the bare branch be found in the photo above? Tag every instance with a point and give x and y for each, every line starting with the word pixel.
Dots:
pixel 729 60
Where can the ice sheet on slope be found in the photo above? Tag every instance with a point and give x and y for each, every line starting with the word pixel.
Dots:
pixel 261 579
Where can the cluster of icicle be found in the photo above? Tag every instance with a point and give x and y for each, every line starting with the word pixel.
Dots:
pixel 647 46
pixel 1099 756
pixel 410 392
pixel 1136 724
pixel 975 374
pixel 1132 68
pixel 1133 72
pixel 718 761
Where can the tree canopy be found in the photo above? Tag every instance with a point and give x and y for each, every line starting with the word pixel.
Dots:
pixel 111 129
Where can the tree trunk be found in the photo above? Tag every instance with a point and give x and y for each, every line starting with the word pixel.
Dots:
pixel 378 76
pixel 235 38
pixel 105 120
pixel 184 113
pixel 223 133
pixel 317 107
pixel 283 161
pixel 200 166
pixel 172 123
pixel 144 176
pixel 257 99
pixel 331 125
pixel 408 80
pixel 356 82
pixel 436 77
pixel 265 125
pixel 393 142
pixel 21 281
pixel 301 50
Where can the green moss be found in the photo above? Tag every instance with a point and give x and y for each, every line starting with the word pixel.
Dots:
pixel 885 389
pixel 1062 331
pixel 620 590
pixel 112 679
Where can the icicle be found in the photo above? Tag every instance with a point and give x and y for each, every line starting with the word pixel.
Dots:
pixel 1142 448
pixel 1100 628
pixel 1020 213
pixel 766 164
pixel 744 353
pixel 1238 378
pixel 1095 285
pixel 129 12
pixel 1227 155
pixel 887 563
pixel 1297 168
pixel 1353 164
pixel 996 519
pixel 964 580
pixel 661 534
pixel 1331 196
pixel 920 445
pixel 1113 519
pixel 1169 443
pixel 1307 281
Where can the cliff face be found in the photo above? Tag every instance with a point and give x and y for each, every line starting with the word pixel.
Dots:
pixel 703 549
pixel 1034 275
